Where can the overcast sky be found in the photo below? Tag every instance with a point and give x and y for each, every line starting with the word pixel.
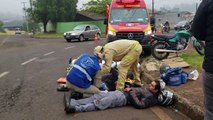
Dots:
pixel 16 6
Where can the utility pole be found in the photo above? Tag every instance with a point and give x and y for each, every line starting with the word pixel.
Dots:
pixel 32 16
pixel 153 9
pixel 25 15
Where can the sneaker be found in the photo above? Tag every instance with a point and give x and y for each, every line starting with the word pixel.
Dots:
pixel 62 88
pixel 67 107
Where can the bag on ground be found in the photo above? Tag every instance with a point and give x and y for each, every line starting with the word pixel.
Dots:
pixel 174 76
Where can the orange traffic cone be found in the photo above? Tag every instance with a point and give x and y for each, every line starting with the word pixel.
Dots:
pixel 159 32
pixel 96 39
pixel 62 80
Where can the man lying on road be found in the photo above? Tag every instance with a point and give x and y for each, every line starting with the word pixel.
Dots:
pixel 140 98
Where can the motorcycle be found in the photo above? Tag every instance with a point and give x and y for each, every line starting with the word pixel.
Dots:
pixel 163 45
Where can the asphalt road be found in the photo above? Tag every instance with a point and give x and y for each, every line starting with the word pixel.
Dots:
pixel 29 69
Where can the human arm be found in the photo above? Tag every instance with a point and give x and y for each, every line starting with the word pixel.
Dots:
pixel 108 56
pixel 199 22
pixel 97 79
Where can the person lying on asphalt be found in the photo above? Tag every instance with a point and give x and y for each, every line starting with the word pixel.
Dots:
pixel 140 98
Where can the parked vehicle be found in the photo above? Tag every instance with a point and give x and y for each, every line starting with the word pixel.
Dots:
pixel 164 45
pixel 17 31
pixel 182 25
pixel 83 32
pixel 128 19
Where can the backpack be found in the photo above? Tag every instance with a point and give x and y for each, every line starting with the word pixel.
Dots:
pixel 174 76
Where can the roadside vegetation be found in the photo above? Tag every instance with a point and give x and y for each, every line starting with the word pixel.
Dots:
pixel 194 59
pixel 7 32
pixel 48 35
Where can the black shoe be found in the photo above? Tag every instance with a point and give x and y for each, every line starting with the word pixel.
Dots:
pixel 67 107
pixel 61 88
pixel 76 95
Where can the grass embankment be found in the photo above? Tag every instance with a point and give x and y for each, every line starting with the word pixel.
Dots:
pixel 48 35
pixel 8 32
pixel 194 59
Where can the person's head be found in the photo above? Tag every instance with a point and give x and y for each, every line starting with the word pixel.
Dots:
pixel 98 51
pixel 157 86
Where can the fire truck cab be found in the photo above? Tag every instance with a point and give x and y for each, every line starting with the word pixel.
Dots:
pixel 128 19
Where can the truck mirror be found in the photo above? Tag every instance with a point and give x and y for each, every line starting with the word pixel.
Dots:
pixel 105 21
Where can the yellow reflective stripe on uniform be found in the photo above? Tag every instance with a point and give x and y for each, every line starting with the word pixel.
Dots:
pixel 135 45
pixel 84 71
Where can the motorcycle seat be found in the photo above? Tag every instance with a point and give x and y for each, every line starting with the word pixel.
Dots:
pixel 165 37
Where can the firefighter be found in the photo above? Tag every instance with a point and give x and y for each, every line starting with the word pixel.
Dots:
pixel 125 51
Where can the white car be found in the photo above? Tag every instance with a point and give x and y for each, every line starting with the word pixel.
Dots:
pixel 17 31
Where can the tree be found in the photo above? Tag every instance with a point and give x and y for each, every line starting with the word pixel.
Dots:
pixel 96 6
pixel 53 10
pixel 1 26
pixel 42 11
pixel 65 10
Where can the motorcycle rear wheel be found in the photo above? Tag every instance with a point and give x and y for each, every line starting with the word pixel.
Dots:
pixel 159 55
pixel 199 47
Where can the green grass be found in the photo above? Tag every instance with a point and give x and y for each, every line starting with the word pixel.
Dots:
pixel 48 35
pixel 7 32
pixel 194 59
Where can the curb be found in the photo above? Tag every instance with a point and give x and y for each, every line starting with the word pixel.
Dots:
pixel 183 105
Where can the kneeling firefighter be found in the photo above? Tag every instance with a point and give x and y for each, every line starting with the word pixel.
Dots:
pixel 125 51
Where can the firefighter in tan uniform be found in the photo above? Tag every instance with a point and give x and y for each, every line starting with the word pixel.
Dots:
pixel 125 51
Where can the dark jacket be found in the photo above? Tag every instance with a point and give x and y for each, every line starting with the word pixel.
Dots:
pixel 142 98
pixel 202 29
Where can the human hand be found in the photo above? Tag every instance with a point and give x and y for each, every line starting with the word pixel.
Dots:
pixel 127 89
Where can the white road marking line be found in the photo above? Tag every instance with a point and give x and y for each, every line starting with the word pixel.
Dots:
pixel 49 53
pixel 28 61
pixel 3 74
pixel 69 47
pixel 4 41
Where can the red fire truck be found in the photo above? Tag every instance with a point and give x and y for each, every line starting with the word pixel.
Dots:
pixel 128 19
